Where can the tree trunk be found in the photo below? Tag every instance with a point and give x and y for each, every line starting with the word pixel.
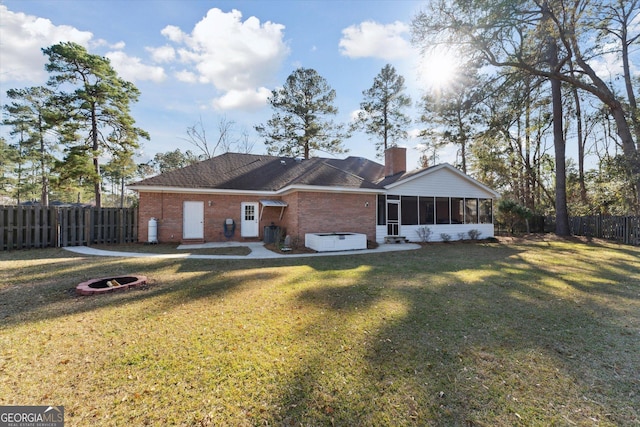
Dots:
pixel 633 106
pixel 581 146
pixel 96 161
pixel 562 214
pixel 122 190
pixel 604 93
pixel 44 196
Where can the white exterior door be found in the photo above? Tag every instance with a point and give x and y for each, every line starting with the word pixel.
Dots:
pixel 249 223
pixel 193 220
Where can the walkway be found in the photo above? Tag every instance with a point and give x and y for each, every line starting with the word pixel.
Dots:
pixel 258 251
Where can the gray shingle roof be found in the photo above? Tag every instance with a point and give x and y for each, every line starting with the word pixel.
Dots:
pixel 250 172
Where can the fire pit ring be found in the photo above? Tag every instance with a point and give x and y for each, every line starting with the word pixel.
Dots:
pixel 109 284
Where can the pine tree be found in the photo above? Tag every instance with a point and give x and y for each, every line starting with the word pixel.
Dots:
pixel 381 113
pixel 31 117
pixel 98 121
pixel 301 123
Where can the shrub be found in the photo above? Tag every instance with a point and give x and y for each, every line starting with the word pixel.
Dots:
pixel 461 236
pixel 474 234
pixel 511 213
pixel 424 233
pixel 445 237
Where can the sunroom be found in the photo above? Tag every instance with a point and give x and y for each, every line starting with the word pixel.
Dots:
pixel 440 204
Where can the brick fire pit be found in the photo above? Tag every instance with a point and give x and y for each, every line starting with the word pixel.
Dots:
pixel 109 284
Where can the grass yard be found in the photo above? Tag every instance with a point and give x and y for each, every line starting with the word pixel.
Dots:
pixel 531 332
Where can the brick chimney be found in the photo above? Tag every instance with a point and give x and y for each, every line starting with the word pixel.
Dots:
pixel 395 161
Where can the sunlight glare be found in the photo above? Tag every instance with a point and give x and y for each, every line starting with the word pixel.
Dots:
pixel 438 68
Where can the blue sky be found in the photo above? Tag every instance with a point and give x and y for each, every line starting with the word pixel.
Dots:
pixel 195 59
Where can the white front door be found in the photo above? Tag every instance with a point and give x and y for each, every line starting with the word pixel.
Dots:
pixel 193 220
pixel 249 223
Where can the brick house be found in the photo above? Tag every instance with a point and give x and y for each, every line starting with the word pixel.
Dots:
pixel 235 196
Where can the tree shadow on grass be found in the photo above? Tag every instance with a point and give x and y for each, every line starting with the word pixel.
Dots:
pixel 511 348
pixel 43 286
pixel 457 334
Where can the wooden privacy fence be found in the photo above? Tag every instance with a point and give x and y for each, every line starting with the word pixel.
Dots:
pixel 622 229
pixel 26 227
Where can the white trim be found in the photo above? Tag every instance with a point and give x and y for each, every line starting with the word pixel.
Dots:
pixel 162 189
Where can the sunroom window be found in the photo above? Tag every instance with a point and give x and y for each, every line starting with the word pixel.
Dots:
pixel 486 211
pixel 443 215
pixel 426 209
pixel 409 209
pixel 470 211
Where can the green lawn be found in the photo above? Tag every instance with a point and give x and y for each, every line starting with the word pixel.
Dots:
pixel 525 332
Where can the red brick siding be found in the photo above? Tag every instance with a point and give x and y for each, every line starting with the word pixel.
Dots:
pixel 307 212
pixel 167 208
pixel 335 212
pixel 395 160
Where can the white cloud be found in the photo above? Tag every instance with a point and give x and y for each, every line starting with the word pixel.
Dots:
pixel 607 66
pixel 23 36
pixel 118 46
pixel 371 39
pixel 186 76
pixel 414 133
pixel 102 42
pixel 248 99
pixel 132 69
pixel 237 57
pixel 353 116
pixel 162 54
pixel 173 33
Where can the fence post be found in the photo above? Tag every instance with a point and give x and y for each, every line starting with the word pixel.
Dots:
pixel 626 230
pixel 134 225
pixel 19 234
pixel 87 226
pixel 120 226
pixel 2 229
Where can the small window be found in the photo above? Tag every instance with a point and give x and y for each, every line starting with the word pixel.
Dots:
pixel 249 212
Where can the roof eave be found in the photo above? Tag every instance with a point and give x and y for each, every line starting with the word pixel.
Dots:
pixel 194 190
pixel 284 190
pixel 329 189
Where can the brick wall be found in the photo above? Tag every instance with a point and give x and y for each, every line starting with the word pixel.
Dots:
pixel 336 212
pixel 167 208
pixel 307 212
pixel 395 161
